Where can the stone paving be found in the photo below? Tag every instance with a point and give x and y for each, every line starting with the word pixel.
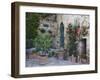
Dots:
pixel 52 61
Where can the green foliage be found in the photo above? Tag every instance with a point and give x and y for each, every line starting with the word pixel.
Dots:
pixel 32 23
pixel 29 43
pixel 51 53
pixel 43 42
pixel 72 40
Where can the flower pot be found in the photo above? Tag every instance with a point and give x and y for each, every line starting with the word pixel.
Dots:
pixel 60 55
pixel 43 59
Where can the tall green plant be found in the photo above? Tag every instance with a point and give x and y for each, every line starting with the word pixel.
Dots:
pixel 72 40
pixel 32 23
pixel 43 42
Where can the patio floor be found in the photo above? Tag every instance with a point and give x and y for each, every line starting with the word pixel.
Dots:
pixel 52 61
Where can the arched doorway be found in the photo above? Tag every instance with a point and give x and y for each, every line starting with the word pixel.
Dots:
pixel 62 35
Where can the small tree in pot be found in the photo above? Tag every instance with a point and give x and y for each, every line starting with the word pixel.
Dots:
pixel 42 44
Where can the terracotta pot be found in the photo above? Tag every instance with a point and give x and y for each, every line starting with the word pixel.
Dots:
pixel 43 59
pixel 60 55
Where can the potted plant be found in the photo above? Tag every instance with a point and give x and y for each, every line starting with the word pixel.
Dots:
pixel 60 54
pixel 42 44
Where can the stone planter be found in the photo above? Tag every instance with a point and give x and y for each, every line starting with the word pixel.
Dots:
pixel 43 59
pixel 60 55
